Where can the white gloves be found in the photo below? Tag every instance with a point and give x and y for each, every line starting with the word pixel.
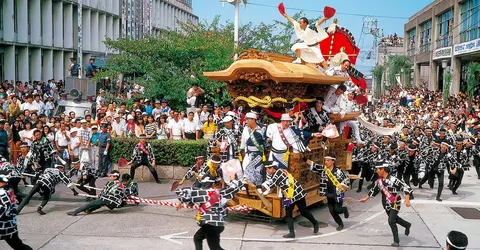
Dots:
pixel 105 152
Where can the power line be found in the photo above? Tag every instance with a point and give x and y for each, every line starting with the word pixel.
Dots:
pixel 321 11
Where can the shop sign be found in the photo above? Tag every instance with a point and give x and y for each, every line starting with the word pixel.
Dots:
pixel 442 53
pixel 467 47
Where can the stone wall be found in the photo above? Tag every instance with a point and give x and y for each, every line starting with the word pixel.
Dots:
pixel 164 172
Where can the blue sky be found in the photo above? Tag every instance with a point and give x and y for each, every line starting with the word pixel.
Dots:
pixel 208 9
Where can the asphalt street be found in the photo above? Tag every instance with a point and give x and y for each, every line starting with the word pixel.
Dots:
pixel 161 227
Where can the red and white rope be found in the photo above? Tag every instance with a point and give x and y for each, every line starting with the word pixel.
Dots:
pixel 134 199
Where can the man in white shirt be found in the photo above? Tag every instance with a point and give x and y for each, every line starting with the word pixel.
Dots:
pixel 85 135
pixel 118 125
pixel 335 100
pixel 204 114
pixel 309 49
pixel 62 139
pixel 40 105
pixel 176 128
pixel 342 70
pixel 193 94
pixel 158 109
pixel 191 128
pixel 351 106
pixel 29 105
pixel 74 144
pixel 283 138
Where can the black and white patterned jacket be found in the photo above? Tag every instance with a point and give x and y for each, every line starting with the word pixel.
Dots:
pixel 8 169
pixel 461 157
pixel 131 188
pixel 208 177
pixel 311 119
pixel 232 136
pixel 8 212
pixel 394 186
pixel 53 176
pixel 280 179
pixel 43 148
pixel 341 176
pixel 137 153
pixel 113 194
pixel 215 214
pixel 26 164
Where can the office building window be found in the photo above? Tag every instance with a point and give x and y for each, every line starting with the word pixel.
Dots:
pixel 411 41
pixel 469 20
pixel 1 17
pixel 445 27
pixel 425 36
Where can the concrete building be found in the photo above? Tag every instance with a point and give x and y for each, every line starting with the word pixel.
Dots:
pixel 148 17
pixel 38 37
pixel 384 52
pixel 444 36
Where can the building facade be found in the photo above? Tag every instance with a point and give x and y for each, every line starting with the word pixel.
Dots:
pixel 142 18
pixel 444 37
pixel 38 37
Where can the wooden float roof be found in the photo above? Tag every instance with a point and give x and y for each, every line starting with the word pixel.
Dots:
pixel 275 67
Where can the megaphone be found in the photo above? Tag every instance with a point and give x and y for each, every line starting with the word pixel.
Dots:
pixel 75 94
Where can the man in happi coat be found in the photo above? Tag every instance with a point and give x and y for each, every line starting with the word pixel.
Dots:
pixel 294 195
pixel 391 186
pixel 309 49
pixel 226 140
pixel 46 184
pixel 8 220
pixel 282 138
pixel 252 142
pixel 333 184
pixel 212 205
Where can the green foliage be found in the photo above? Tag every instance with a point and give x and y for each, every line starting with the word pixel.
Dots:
pixel 377 73
pixel 169 64
pixel 473 69
pixel 447 82
pixel 395 65
pixel 179 153
pixel 173 61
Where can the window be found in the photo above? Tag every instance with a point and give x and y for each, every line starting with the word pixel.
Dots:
pixel 425 36
pixel 411 41
pixel 444 27
pixel 469 20
pixel 1 18
pixel 15 17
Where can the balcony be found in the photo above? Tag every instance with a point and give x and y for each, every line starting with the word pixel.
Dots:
pixel 444 42
pixel 425 47
pixel 411 51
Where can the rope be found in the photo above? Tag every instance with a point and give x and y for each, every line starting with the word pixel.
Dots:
pixel 267 101
pixel 134 199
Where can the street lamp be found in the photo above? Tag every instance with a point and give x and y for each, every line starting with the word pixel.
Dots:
pixel 236 20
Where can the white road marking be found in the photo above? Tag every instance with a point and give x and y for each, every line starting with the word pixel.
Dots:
pixel 170 237
pixel 446 202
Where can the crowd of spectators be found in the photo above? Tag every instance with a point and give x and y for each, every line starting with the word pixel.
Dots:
pixel 392 40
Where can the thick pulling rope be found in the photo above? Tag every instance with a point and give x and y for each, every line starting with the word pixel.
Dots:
pixel 134 199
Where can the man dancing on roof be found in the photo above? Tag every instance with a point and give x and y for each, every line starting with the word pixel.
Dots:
pixel 308 50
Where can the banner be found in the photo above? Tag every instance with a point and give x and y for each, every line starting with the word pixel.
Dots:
pixel 380 130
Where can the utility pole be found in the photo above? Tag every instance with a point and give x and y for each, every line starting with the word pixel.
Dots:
pixel 236 3
pixel 79 49
pixel 370 27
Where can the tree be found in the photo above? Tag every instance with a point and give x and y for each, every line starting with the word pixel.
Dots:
pixel 169 64
pixel 174 61
pixel 446 87
pixel 377 73
pixel 473 69
pixel 395 65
